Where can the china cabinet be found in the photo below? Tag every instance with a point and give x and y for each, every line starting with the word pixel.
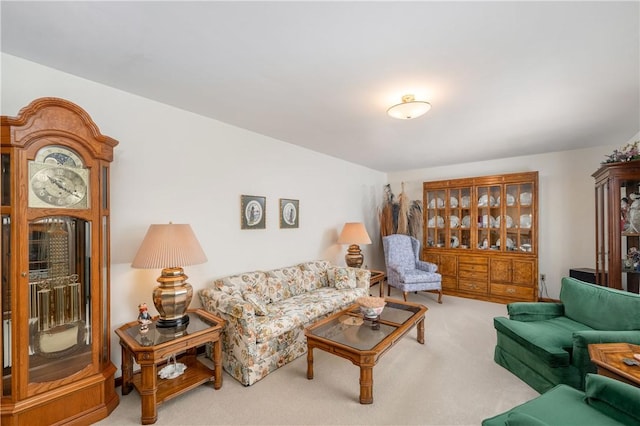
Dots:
pixel 482 234
pixel 617 194
pixel 56 366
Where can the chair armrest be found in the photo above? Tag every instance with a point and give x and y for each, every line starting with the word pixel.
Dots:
pixel 393 268
pixel 426 266
pixel 614 398
pixel 534 311
pixel 582 339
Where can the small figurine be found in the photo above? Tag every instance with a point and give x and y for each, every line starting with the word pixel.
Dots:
pixel 144 318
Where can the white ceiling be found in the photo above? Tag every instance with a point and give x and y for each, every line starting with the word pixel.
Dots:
pixel 504 78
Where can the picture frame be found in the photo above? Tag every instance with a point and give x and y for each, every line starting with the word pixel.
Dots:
pixel 289 213
pixel 253 212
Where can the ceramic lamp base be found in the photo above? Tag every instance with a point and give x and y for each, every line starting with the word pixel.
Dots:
pixel 354 257
pixel 172 298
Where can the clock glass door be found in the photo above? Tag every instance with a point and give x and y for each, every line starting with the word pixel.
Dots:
pixel 59 297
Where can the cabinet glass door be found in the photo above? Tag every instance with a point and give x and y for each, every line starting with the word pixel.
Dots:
pixel 59 297
pixel 459 218
pixel 435 215
pixel 488 209
pixel 519 213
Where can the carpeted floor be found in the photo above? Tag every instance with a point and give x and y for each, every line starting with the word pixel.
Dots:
pixel 450 380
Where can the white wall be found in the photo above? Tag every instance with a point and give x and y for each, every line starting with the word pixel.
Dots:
pixel 566 202
pixel 172 165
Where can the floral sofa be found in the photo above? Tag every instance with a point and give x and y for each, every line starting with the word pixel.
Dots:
pixel 266 312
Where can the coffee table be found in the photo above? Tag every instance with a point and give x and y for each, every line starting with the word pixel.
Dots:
pixel 363 341
pixel 608 358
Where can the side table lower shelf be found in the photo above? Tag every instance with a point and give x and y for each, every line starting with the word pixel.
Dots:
pixel 195 375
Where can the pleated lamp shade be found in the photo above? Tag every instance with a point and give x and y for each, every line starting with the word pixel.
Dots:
pixel 169 245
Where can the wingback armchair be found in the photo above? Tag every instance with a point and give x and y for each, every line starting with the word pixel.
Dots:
pixel 405 270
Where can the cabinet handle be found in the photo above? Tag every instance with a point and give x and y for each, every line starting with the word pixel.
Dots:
pixel 24 274
pixel 511 290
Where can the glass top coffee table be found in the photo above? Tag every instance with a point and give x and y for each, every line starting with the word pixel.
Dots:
pixel 363 341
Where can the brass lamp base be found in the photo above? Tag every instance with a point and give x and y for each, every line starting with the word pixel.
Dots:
pixel 354 257
pixel 172 298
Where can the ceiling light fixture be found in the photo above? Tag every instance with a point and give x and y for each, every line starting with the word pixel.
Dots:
pixel 409 108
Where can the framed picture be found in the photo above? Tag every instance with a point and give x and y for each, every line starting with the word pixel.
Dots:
pixel 289 213
pixel 252 212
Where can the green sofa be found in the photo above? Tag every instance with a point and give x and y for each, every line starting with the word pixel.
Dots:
pixel 604 402
pixel 546 344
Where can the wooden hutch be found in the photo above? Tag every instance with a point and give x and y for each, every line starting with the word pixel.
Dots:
pixel 482 232
pixel 56 366
pixel 617 196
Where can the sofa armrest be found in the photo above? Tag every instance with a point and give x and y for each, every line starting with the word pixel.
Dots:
pixel 534 311
pixel 218 302
pixel 426 266
pixel 582 339
pixel 614 398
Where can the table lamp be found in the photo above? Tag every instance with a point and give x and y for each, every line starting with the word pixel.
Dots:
pixel 169 247
pixel 354 233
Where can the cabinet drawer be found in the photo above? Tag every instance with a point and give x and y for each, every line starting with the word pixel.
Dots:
pixel 465 267
pixel 512 291
pixel 474 260
pixel 472 286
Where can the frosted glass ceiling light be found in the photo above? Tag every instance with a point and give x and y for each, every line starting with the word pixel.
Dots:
pixel 409 108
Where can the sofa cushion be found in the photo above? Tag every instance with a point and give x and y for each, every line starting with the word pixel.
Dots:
pixel 258 301
pixel 319 267
pixel 236 284
pixel 594 305
pixel 550 339
pixel 284 282
pixel 344 278
pixel 301 310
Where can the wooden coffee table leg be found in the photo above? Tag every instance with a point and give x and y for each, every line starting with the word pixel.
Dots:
pixel 217 364
pixel 421 331
pixel 310 363
pixel 366 384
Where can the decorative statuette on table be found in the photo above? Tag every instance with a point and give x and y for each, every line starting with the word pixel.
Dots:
pixel 144 318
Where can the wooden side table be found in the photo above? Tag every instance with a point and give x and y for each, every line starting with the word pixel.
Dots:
pixel 154 348
pixel 378 277
pixel 608 358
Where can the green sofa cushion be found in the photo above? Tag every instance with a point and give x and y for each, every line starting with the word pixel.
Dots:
pixel 534 311
pixel 551 339
pixel 597 306
pixel 614 398
pixel 562 405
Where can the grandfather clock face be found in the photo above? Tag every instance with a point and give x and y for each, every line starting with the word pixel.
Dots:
pixel 58 179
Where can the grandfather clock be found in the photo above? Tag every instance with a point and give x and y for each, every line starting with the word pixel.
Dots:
pixel 55 332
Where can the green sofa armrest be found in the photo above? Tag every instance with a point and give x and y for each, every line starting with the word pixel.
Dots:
pixel 534 311
pixel 582 339
pixel 614 398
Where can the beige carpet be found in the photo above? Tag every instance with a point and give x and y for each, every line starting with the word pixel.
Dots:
pixel 450 380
